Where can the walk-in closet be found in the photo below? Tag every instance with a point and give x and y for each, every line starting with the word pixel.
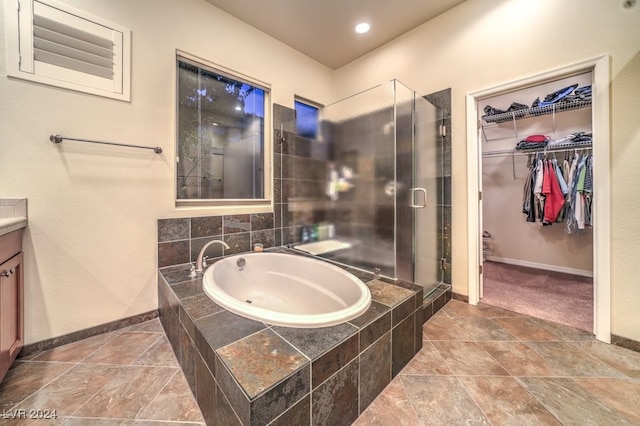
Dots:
pixel 537 200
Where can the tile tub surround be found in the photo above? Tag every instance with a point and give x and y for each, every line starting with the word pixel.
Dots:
pixel 180 239
pixel 246 372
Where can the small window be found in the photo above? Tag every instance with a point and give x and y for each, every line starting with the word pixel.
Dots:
pixel 54 44
pixel 306 119
pixel 220 134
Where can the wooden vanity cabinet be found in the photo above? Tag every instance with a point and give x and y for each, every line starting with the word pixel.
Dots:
pixel 11 299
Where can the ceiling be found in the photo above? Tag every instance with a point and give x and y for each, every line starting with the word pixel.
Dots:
pixel 324 29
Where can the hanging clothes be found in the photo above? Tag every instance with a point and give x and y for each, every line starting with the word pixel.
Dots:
pixel 554 198
pixel 528 197
pixel 554 193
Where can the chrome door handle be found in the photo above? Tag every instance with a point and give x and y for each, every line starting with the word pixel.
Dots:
pixel 413 197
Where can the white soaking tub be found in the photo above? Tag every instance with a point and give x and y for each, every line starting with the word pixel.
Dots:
pixel 285 289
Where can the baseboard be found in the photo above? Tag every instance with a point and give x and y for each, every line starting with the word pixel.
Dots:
pixel 47 344
pixel 460 297
pixel 544 266
pixel 625 343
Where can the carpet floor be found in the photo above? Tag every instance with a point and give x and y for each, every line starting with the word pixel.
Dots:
pixel 554 296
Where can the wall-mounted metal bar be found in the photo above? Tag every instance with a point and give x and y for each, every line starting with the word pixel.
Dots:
pixel 59 139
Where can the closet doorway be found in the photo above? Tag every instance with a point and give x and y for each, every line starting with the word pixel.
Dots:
pixel 535 263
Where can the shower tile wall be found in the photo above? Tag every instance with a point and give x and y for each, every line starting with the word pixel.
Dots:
pixel 301 166
pixel 300 178
pixel 442 100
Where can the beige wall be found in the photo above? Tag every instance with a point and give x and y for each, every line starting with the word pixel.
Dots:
pixel 484 43
pixel 90 243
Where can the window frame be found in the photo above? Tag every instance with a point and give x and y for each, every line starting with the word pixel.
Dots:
pixel 267 165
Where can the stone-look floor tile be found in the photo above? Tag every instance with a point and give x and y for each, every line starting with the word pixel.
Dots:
pixel 564 332
pixel 519 359
pixel 151 326
pixel 525 330
pixel 457 309
pixel 568 360
pixel 174 402
pixel 428 362
pixel 388 294
pixel 79 421
pixel 624 360
pixel 468 358
pixel 261 360
pixel 26 379
pixel 504 401
pixel 71 390
pixel 495 312
pixel 442 400
pixel 124 349
pixel 77 351
pixel 128 393
pixel 391 407
pixel 163 423
pixel 571 403
pixel 335 402
pixel 621 395
pixel 158 354
pixel 441 327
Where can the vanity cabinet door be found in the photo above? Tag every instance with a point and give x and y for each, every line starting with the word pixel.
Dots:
pixel 11 311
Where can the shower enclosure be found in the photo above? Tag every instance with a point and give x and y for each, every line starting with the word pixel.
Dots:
pixel 364 191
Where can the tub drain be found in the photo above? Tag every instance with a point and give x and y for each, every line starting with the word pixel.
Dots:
pixel 248 301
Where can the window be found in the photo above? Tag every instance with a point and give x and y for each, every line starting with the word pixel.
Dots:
pixel 306 119
pixel 220 134
pixel 54 44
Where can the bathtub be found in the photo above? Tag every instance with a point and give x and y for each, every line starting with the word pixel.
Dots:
pixel 285 289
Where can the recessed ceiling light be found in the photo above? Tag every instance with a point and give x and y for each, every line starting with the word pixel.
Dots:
pixel 362 28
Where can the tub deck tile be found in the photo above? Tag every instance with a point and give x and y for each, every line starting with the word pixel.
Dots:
pixel 261 360
pixel 313 342
pixel 388 294
pixel 225 327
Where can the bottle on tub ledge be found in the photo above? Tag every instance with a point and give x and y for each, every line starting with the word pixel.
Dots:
pixel 258 248
pixel 317 232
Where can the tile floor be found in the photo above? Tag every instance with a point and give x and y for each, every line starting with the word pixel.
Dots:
pixel 479 365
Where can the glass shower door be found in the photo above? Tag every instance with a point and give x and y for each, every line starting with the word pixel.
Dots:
pixel 419 206
pixel 426 194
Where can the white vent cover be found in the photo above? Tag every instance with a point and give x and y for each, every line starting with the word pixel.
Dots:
pixel 65 47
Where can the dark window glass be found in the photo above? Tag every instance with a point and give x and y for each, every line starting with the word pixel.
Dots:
pixel 220 135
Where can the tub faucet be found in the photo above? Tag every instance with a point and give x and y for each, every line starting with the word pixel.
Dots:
pixel 200 261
